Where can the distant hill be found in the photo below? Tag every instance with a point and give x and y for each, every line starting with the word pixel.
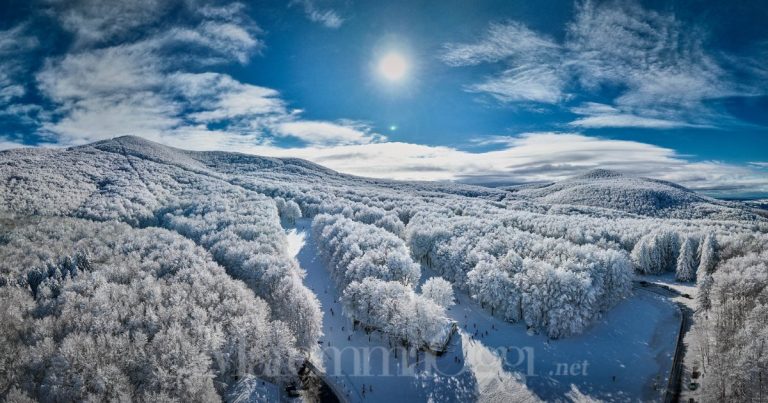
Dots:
pixel 636 195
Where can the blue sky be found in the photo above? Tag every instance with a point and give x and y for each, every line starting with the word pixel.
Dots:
pixel 490 91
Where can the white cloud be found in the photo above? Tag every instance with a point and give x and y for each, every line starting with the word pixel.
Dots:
pixel 532 75
pixel 101 72
pixel 215 97
pixel 94 118
pixel 600 115
pixel 327 17
pixel 14 44
pixel 501 42
pixel 327 133
pixel 528 83
pixel 526 158
pixel 142 88
pixel 661 61
pixel 7 145
pixel 627 120
pixel 231 41
pixel 96 21
pixel 660 66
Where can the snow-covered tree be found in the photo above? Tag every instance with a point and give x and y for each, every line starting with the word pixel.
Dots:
pixel 139 313
pixel 686 262
pixel 708 253
pixel 704 288
pixel 439 291
pixel 289 210
pixel 656 252
pixel 375 271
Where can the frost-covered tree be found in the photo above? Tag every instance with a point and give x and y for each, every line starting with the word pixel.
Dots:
pixel 686 262
pixel 289 210
pixel 439 291
pixel 704 288
pixel 494 287
pixel 377 275
pixel 122 313
pixel 656 252
pixel 708 253
pixel 731 323
pixel 397 310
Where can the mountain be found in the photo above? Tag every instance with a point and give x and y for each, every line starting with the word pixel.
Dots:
pixel 592 193
pixel 642 196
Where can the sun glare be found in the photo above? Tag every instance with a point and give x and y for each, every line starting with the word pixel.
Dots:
pixel 393 66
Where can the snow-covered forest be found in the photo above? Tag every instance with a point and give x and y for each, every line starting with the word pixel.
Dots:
pixel 130 270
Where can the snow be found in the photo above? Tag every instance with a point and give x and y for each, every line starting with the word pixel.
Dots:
pixel 221 213
pixel 251 389
pixel 635 195
pixel 634 342
pixel 668 280
pixel 295 241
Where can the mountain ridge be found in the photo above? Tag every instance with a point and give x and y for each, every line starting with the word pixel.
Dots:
pixel 596 188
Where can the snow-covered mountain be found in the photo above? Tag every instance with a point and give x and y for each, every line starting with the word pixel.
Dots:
pixel 642 196
pixel 113 251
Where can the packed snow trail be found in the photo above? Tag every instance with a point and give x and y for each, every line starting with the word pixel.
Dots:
pixel 625 356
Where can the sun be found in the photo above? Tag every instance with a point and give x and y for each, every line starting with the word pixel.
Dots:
pixel 393 66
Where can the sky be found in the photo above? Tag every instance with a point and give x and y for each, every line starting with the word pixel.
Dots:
pixel 484 92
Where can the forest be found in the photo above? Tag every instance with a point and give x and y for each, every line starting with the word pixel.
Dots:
pixel 134 271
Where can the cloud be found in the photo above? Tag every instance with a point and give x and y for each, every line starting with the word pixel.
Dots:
pixel 531 76
pixel 156 86
pixel 659 67
pixel 529 157
pixel 7 145
pixel 15 43
pixel 98 21
pixel 141 113
pixel 659 60
pixel 101 72
pixel 499 43
pixel 527 83
pixel 325 133
pixel 627 120
pixel 215 97
pixel 602 115
pixel 229 40
pixel 101 92
pixel 329 18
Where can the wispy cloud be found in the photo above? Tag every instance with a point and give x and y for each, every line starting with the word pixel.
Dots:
pixel 659 66
pixel 14 43
pixel 501 42
pixel 529 157
pixel 156 85
pixel 327 17
pixel 328 133
pixel 215 97
pixel 598 115
pixel 531 59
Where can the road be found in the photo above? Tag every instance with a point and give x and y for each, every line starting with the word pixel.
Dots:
pixel 675 384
